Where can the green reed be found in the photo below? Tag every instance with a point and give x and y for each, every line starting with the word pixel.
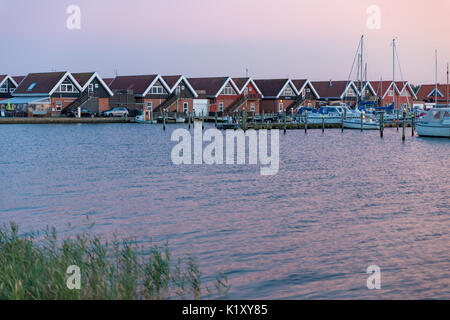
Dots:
pixel 117 270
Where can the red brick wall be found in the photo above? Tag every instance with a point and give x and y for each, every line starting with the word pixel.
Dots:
pixel 103 105
pixel 181 102
pixel 65 103
pixel 227 101
pixel 272 106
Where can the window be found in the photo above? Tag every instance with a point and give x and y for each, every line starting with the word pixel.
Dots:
pixel 67 86
pixel 12 90
pixel 58 106
pixel 185 107
pixel 4 88
pixel 31 86
pixel 228 90
pixel 252 107
pixel 96 86
pixel 391 93
pixel 280 107
pixel 288 92
pixel 91 88
pixel 149 106
pixel 157 90
pixel 221 107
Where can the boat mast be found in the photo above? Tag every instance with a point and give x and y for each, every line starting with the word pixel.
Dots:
pixel 393 71
pixel 435 81
pixel 447 84
pixel 362 70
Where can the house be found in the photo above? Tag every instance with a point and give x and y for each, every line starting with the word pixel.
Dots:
pixel 334 92
pixel 182 95
pixel 221 92
pixel 139 92
pixel 426 96
pixel 18 79
pixel 249 97
pixel 95 93
pixel 278 94
pixel 308 95
pixel 367 92
pixel 7 86
pixel 404 94
pixel 45 94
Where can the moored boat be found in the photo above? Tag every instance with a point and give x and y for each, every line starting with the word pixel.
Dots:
pixel 436 123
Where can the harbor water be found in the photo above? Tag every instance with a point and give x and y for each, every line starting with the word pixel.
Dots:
pixel 339 203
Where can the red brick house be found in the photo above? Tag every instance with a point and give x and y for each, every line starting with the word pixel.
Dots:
pixel 182 95
pixel 221 92
pixel 308 95
pixel 278 94
pixel 139 92
pixel 333 92
pixel 426 95
pixel 249 97
pixel 368 92
pixel 45 94
pixel 95 93
pixel 404 94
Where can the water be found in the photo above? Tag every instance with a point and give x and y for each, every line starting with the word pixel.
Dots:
pixel 340 203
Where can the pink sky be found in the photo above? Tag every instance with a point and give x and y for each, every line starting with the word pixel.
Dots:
pixel 295 38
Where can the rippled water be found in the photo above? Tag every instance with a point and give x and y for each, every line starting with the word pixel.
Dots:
pixel 340 202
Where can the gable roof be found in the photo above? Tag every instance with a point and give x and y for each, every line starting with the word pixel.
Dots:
pixel 383 87
pixel 333 89
pixel 84 79
pixel 5 77
pixel 140 84
pixel 272 88
pixel 213 86
pixel 108 81
pixel 45 83
pixel 301 84
pixel 174 81
pixel 426 91
pixel 18 79
pixel 241 83
pixel 366 85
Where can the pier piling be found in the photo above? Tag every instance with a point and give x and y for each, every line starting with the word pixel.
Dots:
pixel 404 126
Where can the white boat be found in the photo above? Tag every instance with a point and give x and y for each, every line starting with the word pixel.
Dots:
pixel 180 120
pixel 146 118
pixel 367 124
pixel 436 123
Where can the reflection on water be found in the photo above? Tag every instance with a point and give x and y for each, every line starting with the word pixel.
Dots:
pixel 340 202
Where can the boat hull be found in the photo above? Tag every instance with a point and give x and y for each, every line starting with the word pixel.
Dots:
pixel 433 131
pixel 357 125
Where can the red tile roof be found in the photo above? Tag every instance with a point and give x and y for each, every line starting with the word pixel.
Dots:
pixel 138 84
pixel 330 89
pixel 271 87
pixel 108 81
pixel 83 78
pixel 18 79
pixel 381 87
pixel 171 80
pixel 240 82
pixel 426 89
pixel 2 77
pixel 210 85
pixel 44 83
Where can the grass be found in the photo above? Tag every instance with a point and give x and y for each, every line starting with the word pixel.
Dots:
pixel 120 270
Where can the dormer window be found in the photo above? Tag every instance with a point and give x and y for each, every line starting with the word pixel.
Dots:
pixel 31 86
pixel 228 90
pixel 67 87
pixel 288 92
pixel 157 90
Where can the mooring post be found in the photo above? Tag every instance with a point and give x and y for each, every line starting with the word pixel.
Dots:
pixel 323 123
pixel 189 120
pixel 203 120
pixel 413 124
pixel 244 119
pixel 306 122
pixel 404 125
pixel 398 118
pixel 164 120
pixel 362 121
pixel 215 117
pixel 381 124
pixel 284 120
pixel 342 121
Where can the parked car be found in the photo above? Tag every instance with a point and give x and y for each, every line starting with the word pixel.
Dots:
pixel 116 112
pixel 85 113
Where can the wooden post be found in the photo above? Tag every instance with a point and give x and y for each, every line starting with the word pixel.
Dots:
pixel 342 122
pixel 203 119
pixel 413 124
pixel 362 121
pixel 189 119
pixel 306 121
pixel 398 119
pixel 164 120
pixel 262 119
pixel 323 123
pixel 215 117
pixel 381 124
pixel 284 120
pixel 404 125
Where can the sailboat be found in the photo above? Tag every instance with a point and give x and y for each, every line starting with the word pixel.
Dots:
pixel 436 123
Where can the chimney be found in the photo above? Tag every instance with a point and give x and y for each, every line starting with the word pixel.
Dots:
pixel 331 84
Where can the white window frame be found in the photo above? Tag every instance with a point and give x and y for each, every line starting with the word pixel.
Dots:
pixel 252 107
pixel 220 106
pixel 281 107
pixel 185 107
pixel 228 90
pixel 58 105
pixel 149 105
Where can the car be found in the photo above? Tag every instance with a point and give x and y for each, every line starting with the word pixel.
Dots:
pixel 85 113
pixel 116 112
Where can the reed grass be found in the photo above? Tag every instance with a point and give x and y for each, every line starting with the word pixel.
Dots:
pixel 120 270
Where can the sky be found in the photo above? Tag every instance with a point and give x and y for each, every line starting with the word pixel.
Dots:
pixel 299 39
